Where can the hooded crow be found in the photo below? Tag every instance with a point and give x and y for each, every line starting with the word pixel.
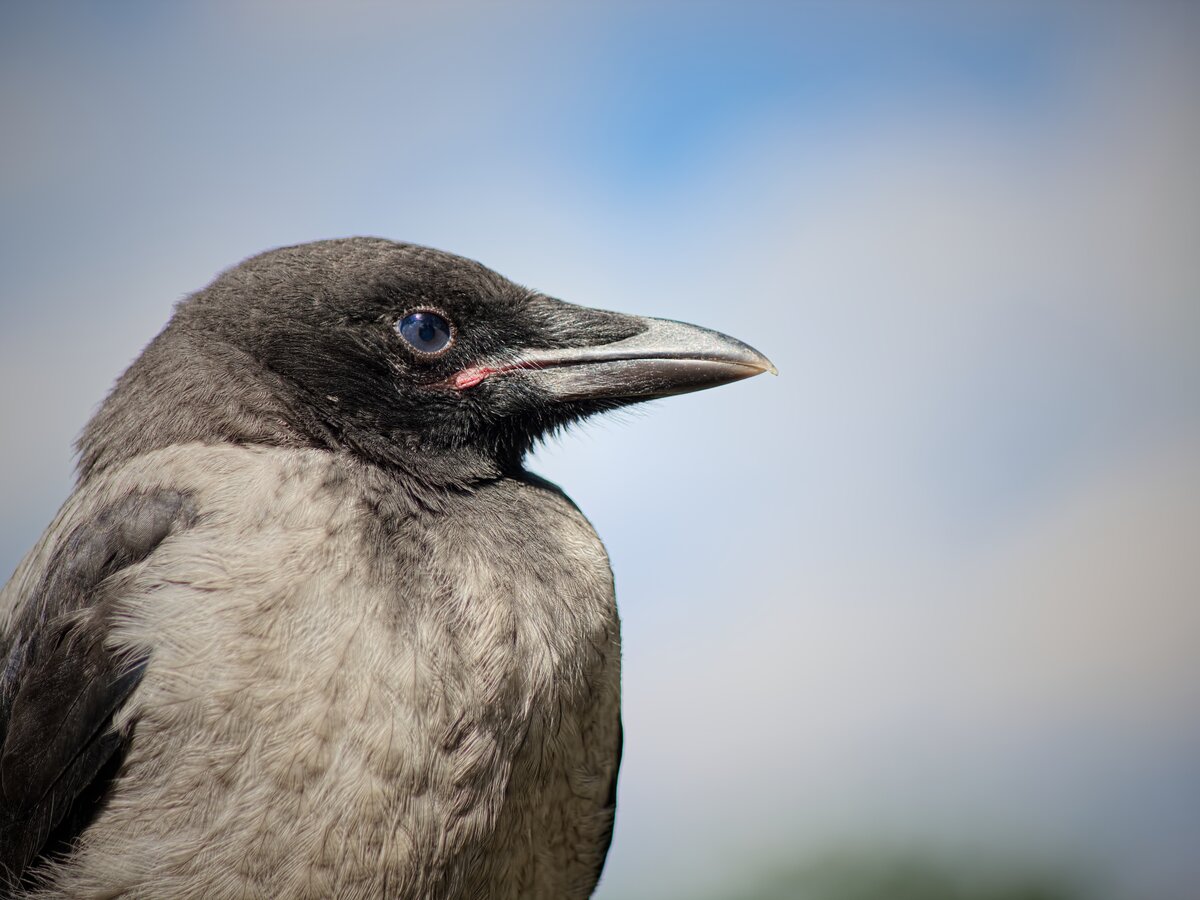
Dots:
pixel 306 626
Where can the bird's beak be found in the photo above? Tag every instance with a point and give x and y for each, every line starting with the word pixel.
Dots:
pixel 664 358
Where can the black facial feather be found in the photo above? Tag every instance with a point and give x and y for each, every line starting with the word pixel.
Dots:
pixel 298 347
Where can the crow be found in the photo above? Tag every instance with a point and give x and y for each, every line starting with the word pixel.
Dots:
pixel 307 627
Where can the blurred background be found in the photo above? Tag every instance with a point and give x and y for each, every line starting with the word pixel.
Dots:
pixel 920 618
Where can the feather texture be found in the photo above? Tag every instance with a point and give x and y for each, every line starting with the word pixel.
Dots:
pixel 62 682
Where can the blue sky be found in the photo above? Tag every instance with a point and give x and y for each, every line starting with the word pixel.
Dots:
pixel 934 584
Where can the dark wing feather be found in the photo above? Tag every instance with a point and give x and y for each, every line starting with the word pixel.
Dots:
pixel 61 684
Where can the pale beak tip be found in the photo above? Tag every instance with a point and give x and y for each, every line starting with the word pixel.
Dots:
pixel 762 363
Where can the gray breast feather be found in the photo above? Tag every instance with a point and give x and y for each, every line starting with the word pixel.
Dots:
pixel 351 697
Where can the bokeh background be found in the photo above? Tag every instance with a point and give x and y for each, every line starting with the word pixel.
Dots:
pixel 919 618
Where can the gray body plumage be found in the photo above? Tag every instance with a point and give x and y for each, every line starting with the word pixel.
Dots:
pixel 414 702
pixel 307 627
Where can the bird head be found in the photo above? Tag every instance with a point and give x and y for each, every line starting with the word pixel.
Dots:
pixel 399 353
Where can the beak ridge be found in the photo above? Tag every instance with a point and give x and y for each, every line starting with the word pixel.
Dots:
pixel 663 359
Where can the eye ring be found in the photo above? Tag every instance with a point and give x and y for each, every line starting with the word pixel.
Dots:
pixel 426 331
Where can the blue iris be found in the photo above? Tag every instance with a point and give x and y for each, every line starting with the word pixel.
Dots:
pixel 426 331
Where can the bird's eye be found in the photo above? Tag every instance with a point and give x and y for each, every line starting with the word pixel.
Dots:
pixel 426 332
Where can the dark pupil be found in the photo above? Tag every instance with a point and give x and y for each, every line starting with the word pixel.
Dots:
pixel 428 332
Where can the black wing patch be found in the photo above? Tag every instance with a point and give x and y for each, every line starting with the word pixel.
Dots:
pixel 60 685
